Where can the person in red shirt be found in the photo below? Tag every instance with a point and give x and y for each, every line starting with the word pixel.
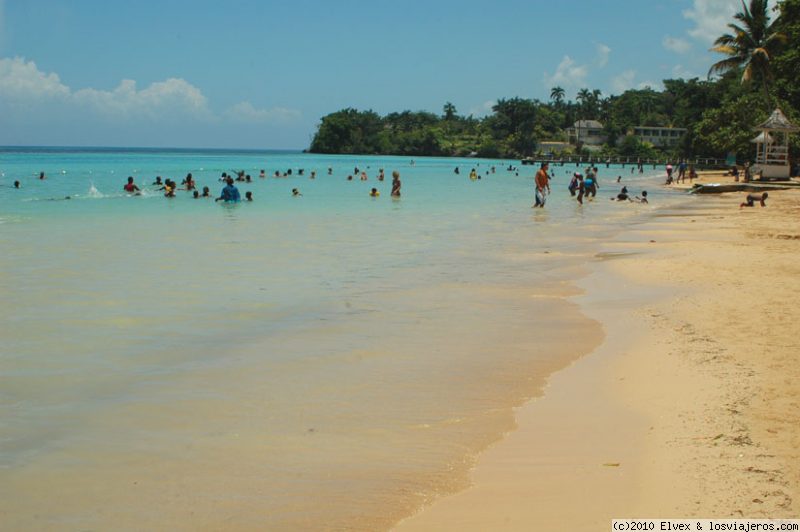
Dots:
pixel 542 183
pixel 130 187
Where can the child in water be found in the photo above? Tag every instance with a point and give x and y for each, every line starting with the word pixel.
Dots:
pixel 248 196
pixel 374 193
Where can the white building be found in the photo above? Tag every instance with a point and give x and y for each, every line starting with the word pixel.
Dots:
pixel 587 132
pixel 660 137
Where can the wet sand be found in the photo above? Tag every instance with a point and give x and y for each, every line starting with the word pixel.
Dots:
pixel 689 408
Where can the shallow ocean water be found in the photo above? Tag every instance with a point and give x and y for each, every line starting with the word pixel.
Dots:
pixel 324 361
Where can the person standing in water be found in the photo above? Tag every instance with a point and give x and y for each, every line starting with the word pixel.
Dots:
pixel 230 193
pixel 542 181
pixel 130 187
pixel 396 184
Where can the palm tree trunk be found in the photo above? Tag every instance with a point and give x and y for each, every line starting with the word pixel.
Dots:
pixel 766 94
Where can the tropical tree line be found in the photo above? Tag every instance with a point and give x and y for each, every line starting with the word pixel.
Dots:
pixel 757 72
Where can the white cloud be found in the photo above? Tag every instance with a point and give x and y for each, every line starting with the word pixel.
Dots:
pixel 173 96
pixel 247 113
pixel 680 46
pixel 483 109
pixel 711 17
pixel 22 80
pixel 603 52
pixel 568 75
pixel 623 82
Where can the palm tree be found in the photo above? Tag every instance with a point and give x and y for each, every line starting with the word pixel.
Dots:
pixel 751 46
pixel 557 95
pixel 583 96
pixel 449 111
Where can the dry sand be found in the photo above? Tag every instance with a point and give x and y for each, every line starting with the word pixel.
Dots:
pixel 690 408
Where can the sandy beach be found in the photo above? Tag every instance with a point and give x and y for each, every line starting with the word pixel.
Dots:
pixel 689 408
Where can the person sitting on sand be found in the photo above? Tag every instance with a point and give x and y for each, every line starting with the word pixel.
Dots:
pixel 396 184
pixel 752 198
pixel 296 192
pixel 130 187
pixel 374 193
pixel 248 196
pixel 229 194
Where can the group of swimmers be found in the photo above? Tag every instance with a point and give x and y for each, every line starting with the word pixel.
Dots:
pixel 580 186
pixel 230 193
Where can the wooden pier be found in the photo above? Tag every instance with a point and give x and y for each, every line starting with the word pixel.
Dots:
pixel 705 163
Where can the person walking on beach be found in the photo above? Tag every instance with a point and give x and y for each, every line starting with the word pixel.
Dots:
pixel 542 181
pixel 396 184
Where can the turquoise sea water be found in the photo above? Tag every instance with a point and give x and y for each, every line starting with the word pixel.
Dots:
pixel 325 361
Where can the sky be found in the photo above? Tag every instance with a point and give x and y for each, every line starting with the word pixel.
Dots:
pixel 261 74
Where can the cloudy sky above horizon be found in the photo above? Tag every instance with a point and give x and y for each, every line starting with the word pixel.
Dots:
pixel 252 74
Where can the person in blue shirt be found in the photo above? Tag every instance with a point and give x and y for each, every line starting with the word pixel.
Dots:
pixel 230 193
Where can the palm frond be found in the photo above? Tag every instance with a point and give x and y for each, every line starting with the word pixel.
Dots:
pixel 747 75
pixel 725 49
pixel 724 66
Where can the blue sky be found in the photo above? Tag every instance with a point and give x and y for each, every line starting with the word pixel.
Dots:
pixel 252 74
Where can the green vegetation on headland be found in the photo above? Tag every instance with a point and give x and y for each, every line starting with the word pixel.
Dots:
pixel 758 73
